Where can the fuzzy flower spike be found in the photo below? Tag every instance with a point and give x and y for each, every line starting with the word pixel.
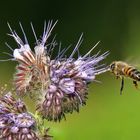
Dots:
pixel 61 83
pixel 32 71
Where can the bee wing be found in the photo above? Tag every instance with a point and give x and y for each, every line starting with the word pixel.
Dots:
pixel 135 62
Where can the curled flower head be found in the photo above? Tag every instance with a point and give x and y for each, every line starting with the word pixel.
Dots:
pixel 32 71
pixel 8 104
pixel 69 79
pixel 15 122
pixel 61 83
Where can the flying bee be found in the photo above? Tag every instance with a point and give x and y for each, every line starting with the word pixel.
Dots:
pixel 121 69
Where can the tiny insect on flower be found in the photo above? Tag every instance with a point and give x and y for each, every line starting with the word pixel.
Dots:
pixel 61 83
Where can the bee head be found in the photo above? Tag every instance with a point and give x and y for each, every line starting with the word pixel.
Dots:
pixel 112 66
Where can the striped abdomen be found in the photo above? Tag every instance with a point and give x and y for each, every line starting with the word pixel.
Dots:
pixel 132 73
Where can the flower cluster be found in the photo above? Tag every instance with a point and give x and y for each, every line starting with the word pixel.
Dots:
pixel 67 90
pixel 15 122
pixel 61 83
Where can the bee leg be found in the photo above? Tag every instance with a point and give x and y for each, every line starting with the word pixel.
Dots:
pixel 117 77
pixel 136 84
pixel 122 85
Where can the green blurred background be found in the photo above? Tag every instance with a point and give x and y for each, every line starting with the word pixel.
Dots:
pixel 116 23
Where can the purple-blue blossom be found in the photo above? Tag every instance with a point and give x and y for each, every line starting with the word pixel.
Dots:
pixel 60 83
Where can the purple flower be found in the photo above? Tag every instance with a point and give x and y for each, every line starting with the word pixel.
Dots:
pixel 61 83
pixel 15 122
pixel 69 79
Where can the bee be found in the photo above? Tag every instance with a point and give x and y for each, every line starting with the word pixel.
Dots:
pixel 121 69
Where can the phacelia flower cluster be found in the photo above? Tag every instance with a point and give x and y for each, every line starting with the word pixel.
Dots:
pixel 15 122
pixel 61 83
